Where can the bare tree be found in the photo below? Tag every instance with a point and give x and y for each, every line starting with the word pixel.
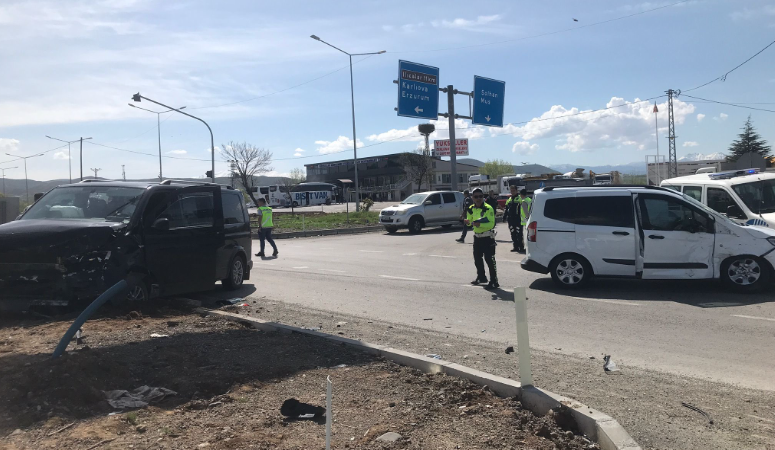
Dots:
pixel 418 166
pixel 249 161
pixel 294 178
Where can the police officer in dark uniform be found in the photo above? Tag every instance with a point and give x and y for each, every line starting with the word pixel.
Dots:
pixel 467 201
pixel 511 215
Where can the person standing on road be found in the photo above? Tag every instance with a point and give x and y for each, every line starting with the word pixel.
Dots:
pixel 512 216
pixel 467 201
pixel 525 208
pixel 481 216
pixel 265 226
pixel 492 200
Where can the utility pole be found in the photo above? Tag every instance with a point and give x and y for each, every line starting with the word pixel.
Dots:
pixel 656 129
pixel 673 159
pixel 96 171
pixel 80 156
pixel 4 169
pixel 123 172
pixel 26 179
pixel 450 114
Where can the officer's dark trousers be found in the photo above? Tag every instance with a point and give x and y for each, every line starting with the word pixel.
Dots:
pixel 484 251
pixel 266 235
pixel 519 243
pixel 516 235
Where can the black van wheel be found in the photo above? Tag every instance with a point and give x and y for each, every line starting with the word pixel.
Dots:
pixel 236 273
pixel 747 274
pixel 136 291
pixel 570 271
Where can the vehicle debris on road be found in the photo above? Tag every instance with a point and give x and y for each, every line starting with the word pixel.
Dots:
pixel 609 365
pixel 137 398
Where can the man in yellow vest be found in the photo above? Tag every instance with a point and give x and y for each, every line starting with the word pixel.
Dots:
pixel 481 217
pixel 525 208
pixel 265 226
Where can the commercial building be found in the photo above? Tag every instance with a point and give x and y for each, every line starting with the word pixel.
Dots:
pixel 384 178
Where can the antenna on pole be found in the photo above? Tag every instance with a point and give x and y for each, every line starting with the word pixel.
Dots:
pixel 96 171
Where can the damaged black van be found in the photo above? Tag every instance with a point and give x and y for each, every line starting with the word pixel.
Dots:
pixel 165 238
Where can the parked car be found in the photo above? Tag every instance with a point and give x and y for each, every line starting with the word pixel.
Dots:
pixel 425 209
pixel 642 232
pixel 162 238
pixel 746 196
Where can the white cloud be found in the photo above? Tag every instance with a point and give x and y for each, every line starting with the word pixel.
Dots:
pixel 8 145
pixel 463 130
pixel 700 117
pixel 752 13
pixel 341 144
pixel 524 148
pixel 466 24
pixel 61 155
pixel 630 124
pixel 690 144
pixel 721 117
pixel 217 150
pixel 298 152
pixel 178 152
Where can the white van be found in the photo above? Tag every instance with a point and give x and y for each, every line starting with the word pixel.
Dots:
pixel 745 196
pixel 642 232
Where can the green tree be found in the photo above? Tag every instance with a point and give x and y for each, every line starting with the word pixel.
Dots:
pixel 495 168
pixel 748 142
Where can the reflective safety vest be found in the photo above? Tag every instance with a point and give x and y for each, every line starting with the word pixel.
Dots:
pixel 525 207
pixel 266 217
pixel 486 213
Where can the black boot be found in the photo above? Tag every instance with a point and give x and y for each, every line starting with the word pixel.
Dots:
pixel 479 281
pixel 492 285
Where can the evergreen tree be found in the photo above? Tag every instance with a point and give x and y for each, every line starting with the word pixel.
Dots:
pixel 748 141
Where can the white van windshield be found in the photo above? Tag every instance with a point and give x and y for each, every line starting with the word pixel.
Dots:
pixel 758 196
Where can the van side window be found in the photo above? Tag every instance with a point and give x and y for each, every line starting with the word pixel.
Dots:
pixel 719 200
pixel 694 192
pixel 194 209
pixel 232 209
pixel 669 214
pixel 614 211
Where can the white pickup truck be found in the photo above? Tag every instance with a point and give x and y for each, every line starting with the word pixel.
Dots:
pixel 425 209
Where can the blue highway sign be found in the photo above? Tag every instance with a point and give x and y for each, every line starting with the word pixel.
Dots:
pixel 489 99
pixel 418 90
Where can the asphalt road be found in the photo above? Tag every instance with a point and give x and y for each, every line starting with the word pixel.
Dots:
pixel 687 328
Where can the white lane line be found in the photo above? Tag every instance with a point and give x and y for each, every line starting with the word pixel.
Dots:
pixel 372 251
pixel 399 278
pixel 508 260
pixel 409 254
pixel 753 317
pixel 469 285
pixel 614 302
pixel 302 267
pixel 442 256
pixel 332 270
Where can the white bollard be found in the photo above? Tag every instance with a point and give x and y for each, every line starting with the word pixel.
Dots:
pixel 523 340
pixel 328 413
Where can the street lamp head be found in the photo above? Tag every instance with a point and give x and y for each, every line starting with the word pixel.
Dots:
pixel 136 97
pixel 315 37
pixel 381 52
pixel 182 107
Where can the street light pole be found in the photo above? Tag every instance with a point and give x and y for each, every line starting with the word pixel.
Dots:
pixel 352 101
pixel 80 155
pixel 26 180
pixel 158 129
pixel 69 158
pixel 137 97
pixel 4 169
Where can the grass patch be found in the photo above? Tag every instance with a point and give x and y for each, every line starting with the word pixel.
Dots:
pixel 322 221
pixel 131 417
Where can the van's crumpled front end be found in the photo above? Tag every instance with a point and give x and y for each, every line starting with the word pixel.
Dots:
pixel 45 262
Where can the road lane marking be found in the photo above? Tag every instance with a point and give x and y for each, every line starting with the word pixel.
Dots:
pixel 442 256
pixel 301 267
pixel 614 302
pixel 372 251
pixel 753 317
pixel 399 278
pixel 509 260
pixel 409 254
pixel 333 270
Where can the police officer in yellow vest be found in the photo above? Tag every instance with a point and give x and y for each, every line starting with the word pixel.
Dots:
pixel 481 216
pixel 265 226
pixel 511 215
pixel 525 208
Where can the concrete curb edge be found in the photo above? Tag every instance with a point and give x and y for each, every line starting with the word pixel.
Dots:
pixel 599 427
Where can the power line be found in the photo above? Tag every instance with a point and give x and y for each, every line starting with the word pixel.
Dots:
pixel 147 154
pixel 724 76
pixel 545 34
pixel 730 104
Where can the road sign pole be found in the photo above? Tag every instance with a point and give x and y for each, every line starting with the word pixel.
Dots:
pixel 452 150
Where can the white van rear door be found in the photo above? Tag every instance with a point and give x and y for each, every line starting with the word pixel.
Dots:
pixel 678 239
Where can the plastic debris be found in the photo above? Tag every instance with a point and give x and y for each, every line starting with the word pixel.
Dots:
pixel 158 335
pixel 231 301
pixel 294 409
pixel 434 356
pixel 609 365
pixel 138 398
pixel 509 350
pixel 694 408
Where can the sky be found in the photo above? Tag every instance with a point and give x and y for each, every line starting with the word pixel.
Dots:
pixel 251 71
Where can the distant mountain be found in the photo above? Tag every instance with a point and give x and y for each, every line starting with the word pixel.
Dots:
pixel 635 168
pixel 718 156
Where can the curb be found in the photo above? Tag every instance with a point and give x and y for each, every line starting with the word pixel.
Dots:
pixel 597 426
pixel 326 232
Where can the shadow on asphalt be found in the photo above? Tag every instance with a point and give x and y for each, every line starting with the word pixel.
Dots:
pixel 700 293
pixel 403 232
